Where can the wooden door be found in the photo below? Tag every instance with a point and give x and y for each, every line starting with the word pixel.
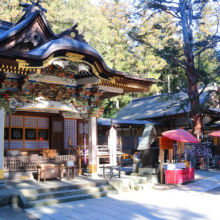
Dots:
pixel 57 133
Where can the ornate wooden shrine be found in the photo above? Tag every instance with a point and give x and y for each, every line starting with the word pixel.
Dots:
pixel 45 73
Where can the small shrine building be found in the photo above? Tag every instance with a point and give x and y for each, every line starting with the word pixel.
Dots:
pixel 49 83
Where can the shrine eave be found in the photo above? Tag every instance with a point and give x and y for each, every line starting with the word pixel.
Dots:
pixel 29 46
pixel 73 50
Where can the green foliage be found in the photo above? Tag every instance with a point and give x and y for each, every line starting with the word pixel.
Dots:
pixel 110 105
pixel 10 10
pixel 185 34
pixel 125 55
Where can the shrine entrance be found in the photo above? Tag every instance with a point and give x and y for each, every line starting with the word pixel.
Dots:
pixel 48 84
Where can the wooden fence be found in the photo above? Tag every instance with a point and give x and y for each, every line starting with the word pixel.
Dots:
pixel 26 163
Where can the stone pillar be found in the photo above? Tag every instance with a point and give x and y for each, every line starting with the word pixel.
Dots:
pixel 93 146
pixel 207 163
pixel 216 161
pixel 192 161
pixel 2 117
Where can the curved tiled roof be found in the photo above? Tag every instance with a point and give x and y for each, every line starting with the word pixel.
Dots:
pixel 5 26
pixel 76 46
pixel 60 43
pixel 15 29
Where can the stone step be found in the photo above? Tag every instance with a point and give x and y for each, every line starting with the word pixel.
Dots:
pixel 68 198
pixel 2 183
pixel 62 188
pixel 63 193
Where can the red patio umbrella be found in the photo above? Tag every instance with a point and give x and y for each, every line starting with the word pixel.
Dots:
pixel 180 135
pixel 215 134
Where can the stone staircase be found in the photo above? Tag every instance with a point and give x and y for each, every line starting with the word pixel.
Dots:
pixel 49 196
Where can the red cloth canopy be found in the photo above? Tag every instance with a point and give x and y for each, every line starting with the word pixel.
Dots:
pixel 180 135
pixel 215 134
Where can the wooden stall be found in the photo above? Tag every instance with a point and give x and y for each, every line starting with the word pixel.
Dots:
pixel 179 172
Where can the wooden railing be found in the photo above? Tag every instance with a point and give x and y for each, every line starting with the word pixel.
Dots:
pixel 26 163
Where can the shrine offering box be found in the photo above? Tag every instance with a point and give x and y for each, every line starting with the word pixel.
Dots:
pixel 49 171
pixel 179 176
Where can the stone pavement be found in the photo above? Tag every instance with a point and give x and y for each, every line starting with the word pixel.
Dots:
pixel 191 201
pixel 10 192
pixel 12 213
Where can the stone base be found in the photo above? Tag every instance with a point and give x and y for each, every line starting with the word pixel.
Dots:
pixel 151 178
pixel 93 175
pixel 147 170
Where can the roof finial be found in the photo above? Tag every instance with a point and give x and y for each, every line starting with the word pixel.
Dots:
pixel 72 33
pixel 38 1
pixel 31 7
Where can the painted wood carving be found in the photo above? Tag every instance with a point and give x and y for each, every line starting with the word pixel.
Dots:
pixel 65 68
pixel 17 92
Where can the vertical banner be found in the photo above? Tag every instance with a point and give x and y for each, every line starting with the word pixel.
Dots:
pixel 92 145
pixel 2 116
pixel 84 139
pixel 112 146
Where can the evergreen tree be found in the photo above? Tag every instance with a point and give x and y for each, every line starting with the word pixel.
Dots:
pixel 185 47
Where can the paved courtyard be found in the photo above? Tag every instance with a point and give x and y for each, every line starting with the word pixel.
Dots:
pixel 198 200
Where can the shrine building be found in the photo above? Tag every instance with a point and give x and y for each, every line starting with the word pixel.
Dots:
pixel 49 83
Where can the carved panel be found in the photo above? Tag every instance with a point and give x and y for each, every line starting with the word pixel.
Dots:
pixel 86 128
pixel 57 126
pixel 70 131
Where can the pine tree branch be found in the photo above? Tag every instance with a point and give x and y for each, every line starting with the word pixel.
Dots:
pixel 213 43
pixel 184 90
pixel 178 62
pixel 216 75
pixel 210 46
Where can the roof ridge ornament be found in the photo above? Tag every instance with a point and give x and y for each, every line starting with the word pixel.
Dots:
pixel 30 8
pixel 72 33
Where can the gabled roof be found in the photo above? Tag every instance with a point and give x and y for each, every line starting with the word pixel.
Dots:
pixel 16 32
pixel 151 107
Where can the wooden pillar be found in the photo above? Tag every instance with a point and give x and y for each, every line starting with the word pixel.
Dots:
pixel 170 155
pixel 161 166
pixel 180 147
pixel 2 117
pixel 79 161
pixel 93 145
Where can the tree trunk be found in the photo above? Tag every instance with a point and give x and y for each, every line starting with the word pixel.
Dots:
pixel 198 126
pixel 193 94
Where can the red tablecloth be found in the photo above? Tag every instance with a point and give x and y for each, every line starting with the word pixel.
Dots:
pixel 179 176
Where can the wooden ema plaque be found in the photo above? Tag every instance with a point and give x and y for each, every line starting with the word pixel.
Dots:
pixel 166 143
